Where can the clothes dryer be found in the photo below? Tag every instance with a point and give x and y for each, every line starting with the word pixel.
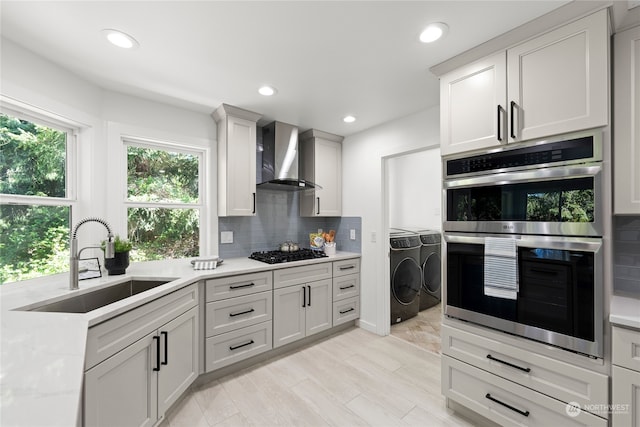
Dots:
pixel 431 265
pixel 406 275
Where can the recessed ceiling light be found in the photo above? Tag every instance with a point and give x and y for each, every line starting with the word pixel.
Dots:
pixel 433 32
pixel 120 39
pixel 349 119
pixel 267 91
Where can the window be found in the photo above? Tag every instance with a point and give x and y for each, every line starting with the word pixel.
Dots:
pixel 35 205
pixel 164 202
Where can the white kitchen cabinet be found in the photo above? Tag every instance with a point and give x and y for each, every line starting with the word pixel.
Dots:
pixel 321 163
pixel 625 383
pixel 301 310
pixel 472 106
pixel 236 160
pixel 488 372
pixel 551 84
pixel 626 121
pixel 137 385
pixel 238 318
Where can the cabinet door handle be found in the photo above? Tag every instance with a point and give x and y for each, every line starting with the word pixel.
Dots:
pixel 304 296
pixel 349 267
pixel 318 211
pixel 235 347
pixel 500 110
pixel 254 203
pixel 346 311
pixel 166 347
pixel 157 340
pixel 513 128
pixel 506 405
pixel 342 288
pixel 309 304
pixel 490 357
pixel 248 285
pixel 251 310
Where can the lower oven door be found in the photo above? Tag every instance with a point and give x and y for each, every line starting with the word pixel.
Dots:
pixel 559 299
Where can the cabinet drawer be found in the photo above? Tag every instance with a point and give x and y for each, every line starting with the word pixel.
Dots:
pixel 232 347
pixel 552 377
pixel 346 286
pixel 297 275
pixel 346 310
pixel 626 348
pixel 234 313
pixel 109 337
pixel 235 286
pixel 481 391
pixel 348 266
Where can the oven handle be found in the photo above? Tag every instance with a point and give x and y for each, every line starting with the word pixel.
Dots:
pixel 543 174
pixel 590 244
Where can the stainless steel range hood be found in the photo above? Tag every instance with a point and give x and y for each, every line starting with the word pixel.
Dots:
pixel 280 159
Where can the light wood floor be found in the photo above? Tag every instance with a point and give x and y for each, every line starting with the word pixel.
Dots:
pixel 355 378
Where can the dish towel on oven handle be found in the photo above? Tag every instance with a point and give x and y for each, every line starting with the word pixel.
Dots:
pixel 500 267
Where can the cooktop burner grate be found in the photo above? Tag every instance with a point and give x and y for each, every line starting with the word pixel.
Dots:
pixel 276 257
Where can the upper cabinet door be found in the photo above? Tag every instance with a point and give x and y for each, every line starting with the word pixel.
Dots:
pixel 321 163
pixel 241 167
pixel 236 161
pixel 473 106
pixel 329 176
pixel 558 82
pixel 626 122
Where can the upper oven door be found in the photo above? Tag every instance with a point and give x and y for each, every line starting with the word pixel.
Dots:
pixel 562 200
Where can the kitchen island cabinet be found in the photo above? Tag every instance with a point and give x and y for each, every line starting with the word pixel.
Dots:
pixel 236 160
pixel 626 121
pixel 140 382
pixel 321 163
pixel 552 84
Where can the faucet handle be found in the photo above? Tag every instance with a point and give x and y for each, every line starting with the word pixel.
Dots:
pixel 109 248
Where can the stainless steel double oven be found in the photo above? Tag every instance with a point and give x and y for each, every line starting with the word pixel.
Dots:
pixel 545 195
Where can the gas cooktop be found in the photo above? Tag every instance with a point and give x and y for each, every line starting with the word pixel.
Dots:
pixel 276 257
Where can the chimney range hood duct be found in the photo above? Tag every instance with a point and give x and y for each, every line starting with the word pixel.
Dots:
pixel 280 159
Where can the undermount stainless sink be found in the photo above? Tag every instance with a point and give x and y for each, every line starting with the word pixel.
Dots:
pixel 93 300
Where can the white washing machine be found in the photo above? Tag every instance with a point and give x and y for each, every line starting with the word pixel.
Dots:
pixel 406 275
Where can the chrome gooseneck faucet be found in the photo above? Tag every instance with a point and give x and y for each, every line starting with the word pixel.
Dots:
pixel 109 250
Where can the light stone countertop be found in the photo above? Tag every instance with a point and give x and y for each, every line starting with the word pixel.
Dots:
pixel 625 311
pixel 42 354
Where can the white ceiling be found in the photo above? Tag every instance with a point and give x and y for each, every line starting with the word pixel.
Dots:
pixel 326 58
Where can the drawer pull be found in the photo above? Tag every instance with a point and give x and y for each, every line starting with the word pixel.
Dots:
pixel 348 267
pixel 248 285
pixel 166 346
pixel 342 288
pixel 346 311
pixel 506 405
pixel 508 364
pixel 232 347
pixel 251 310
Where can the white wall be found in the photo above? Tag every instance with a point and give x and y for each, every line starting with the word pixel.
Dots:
pixel 32 82
pixel 364 159
pixel 415 190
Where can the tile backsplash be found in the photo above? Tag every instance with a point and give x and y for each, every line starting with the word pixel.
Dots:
pixel 277 220
pixel 626 255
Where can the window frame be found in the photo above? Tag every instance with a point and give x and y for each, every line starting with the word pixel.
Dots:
pixel 72 130
pixel 157 144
